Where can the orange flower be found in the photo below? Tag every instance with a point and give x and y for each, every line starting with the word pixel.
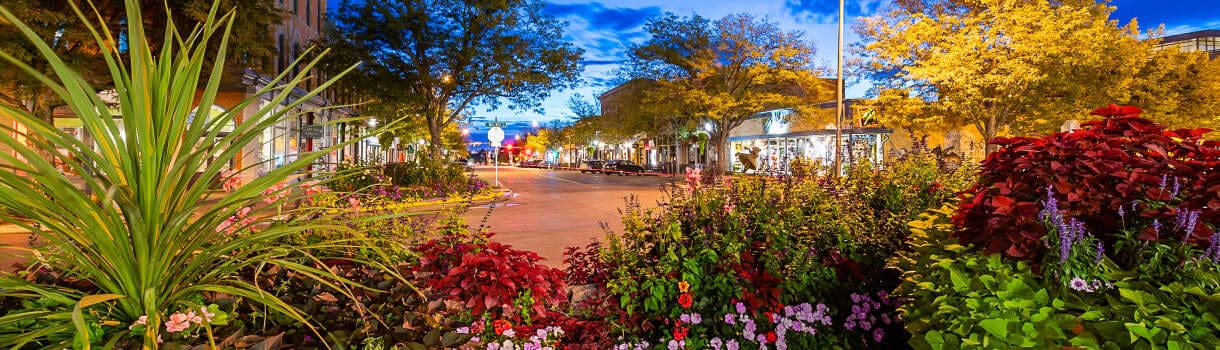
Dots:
pixel 500 326
pixel 685 300
pixel 680 333
pixel 683 287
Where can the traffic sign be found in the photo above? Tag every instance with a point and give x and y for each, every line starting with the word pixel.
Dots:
pixel 496 124
pixel 495 135
pixel 311 131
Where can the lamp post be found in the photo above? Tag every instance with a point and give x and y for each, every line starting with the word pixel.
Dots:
pixel 839 99
pixel 495 135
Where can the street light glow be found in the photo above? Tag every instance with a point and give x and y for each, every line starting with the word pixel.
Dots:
pixel 373 122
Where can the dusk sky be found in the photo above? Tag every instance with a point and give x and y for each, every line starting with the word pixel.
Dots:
pixel 604 29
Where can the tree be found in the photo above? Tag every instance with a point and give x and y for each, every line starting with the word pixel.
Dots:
pixel 1179 89
pixel 723 72
pixel 1011 66
pixel 440 58
pixel 55 22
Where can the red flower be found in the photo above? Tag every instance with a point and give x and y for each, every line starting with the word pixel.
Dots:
pixel 680 333
pixel 770 337
pixel 1114 110
pixel 685 300
pixel 500 326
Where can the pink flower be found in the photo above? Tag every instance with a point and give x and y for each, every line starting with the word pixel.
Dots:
pixel 177 322
pixel 193 318
pixel 207 316
pixel 692 178
pixel 143 320
pixel 728 208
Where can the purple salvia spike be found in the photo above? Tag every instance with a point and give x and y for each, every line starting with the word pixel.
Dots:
pixel 1176 187
pixel 1101 251
pixel 1163 178
pixel 1156 228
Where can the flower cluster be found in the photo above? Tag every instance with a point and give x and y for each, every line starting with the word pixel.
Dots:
pixel 181 322
pixel 230 180
pixel 1186 221
pixel 1213 251
pixel 866 314
pixel 1094 285
pixel 802 318
pixel 239 220
pixel 274 193
pixel 506 338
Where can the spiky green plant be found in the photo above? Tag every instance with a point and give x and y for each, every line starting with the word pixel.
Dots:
pixel 140 231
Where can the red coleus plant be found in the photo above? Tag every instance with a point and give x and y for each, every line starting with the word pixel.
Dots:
pixel 1115 162
pixel 488 276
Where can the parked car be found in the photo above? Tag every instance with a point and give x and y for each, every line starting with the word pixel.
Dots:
pixel 622 167
pixel 592 166
pixel 548 164
pixel 465 163
pixel 529 163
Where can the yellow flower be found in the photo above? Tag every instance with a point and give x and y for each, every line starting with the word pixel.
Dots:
pixel 683 287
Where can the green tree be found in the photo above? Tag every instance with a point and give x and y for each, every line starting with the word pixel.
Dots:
pixel 1012 66
pixel 440 58
pixel 723 72
pixel 55 23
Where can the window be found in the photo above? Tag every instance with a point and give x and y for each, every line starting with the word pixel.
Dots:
pixel 279 50
pixel 308 12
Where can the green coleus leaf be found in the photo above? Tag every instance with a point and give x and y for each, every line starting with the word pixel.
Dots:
pixel 935 340
pixel 995 326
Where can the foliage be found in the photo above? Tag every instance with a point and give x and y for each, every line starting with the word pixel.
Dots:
pixel 958 297
pixel 435 59
pixel 388 311
pixel 1114 175
pixel 1179 89
pixel 724 71
pixel 55 23
pixel 1003 65
pixel 489 278
pixel 139 237
pixel 779 247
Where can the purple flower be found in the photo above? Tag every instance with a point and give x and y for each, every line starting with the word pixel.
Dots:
pixel 1079 284
pixel 685 318
pixel 1176 188
pixel 731 345
pixel 1213 251
pixel 1163 178
pixel 1190 223
pixel 1101 251
pixel 696 318
pixel 1156 228
pixel 741 308
pixel 730 319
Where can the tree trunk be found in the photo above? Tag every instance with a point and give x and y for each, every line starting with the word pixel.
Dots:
pixel 722 152
pixel 989 132
pixel 434 133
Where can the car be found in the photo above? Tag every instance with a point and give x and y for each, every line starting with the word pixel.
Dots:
pixel 592 166
pixel 622 167
pixel 529 163
pixel 464 163
pixel 548 165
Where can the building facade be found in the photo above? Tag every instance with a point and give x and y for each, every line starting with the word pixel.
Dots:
pixel 1204 40
pixel 770 141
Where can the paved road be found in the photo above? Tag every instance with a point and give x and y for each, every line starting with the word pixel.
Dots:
pixel 556 209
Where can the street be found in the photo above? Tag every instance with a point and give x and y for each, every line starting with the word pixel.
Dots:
pixel 556 209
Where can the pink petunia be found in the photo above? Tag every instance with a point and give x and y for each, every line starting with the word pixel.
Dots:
pixel 177 322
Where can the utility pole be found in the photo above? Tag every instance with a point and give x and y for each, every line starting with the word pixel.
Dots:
pixel 839 99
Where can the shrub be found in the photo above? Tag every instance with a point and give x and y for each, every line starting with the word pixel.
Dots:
pixel 770 245
pixel 490 279
pixel 1117 172
pixel 141 240
pixel 958 297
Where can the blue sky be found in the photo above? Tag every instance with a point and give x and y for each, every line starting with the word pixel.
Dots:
pixel 604 29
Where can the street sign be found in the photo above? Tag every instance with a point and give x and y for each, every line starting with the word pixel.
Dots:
pixel 496 124
pixel 410 149
pixel 311 131
pixel 495 135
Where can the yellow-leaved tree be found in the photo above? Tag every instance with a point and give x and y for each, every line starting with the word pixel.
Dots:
pixel 1003 66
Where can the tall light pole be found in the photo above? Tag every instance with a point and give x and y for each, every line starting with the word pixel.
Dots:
pixel 839 98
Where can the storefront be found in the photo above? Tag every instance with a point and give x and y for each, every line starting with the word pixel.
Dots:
pixel 770 142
